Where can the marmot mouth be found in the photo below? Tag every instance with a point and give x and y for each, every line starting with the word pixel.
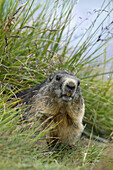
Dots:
pixel 66 97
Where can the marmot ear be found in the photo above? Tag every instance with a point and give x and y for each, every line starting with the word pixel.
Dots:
pixel 78 84
pixel 51 76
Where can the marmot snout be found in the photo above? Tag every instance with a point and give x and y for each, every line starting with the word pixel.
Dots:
pixel 69 87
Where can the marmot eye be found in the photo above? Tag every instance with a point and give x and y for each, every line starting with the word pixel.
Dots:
pixel 58 77
pixel 78 82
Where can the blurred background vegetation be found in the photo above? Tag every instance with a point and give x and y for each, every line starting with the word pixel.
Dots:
pixel 36 38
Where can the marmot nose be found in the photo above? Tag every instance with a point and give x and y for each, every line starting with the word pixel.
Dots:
pixel 70 86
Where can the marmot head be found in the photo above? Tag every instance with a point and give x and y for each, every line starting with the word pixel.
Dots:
pixel 64 86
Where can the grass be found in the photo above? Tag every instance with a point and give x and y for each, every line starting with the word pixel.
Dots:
pixel 34 42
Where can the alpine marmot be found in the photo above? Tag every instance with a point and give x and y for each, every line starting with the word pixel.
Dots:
pixel 57 100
